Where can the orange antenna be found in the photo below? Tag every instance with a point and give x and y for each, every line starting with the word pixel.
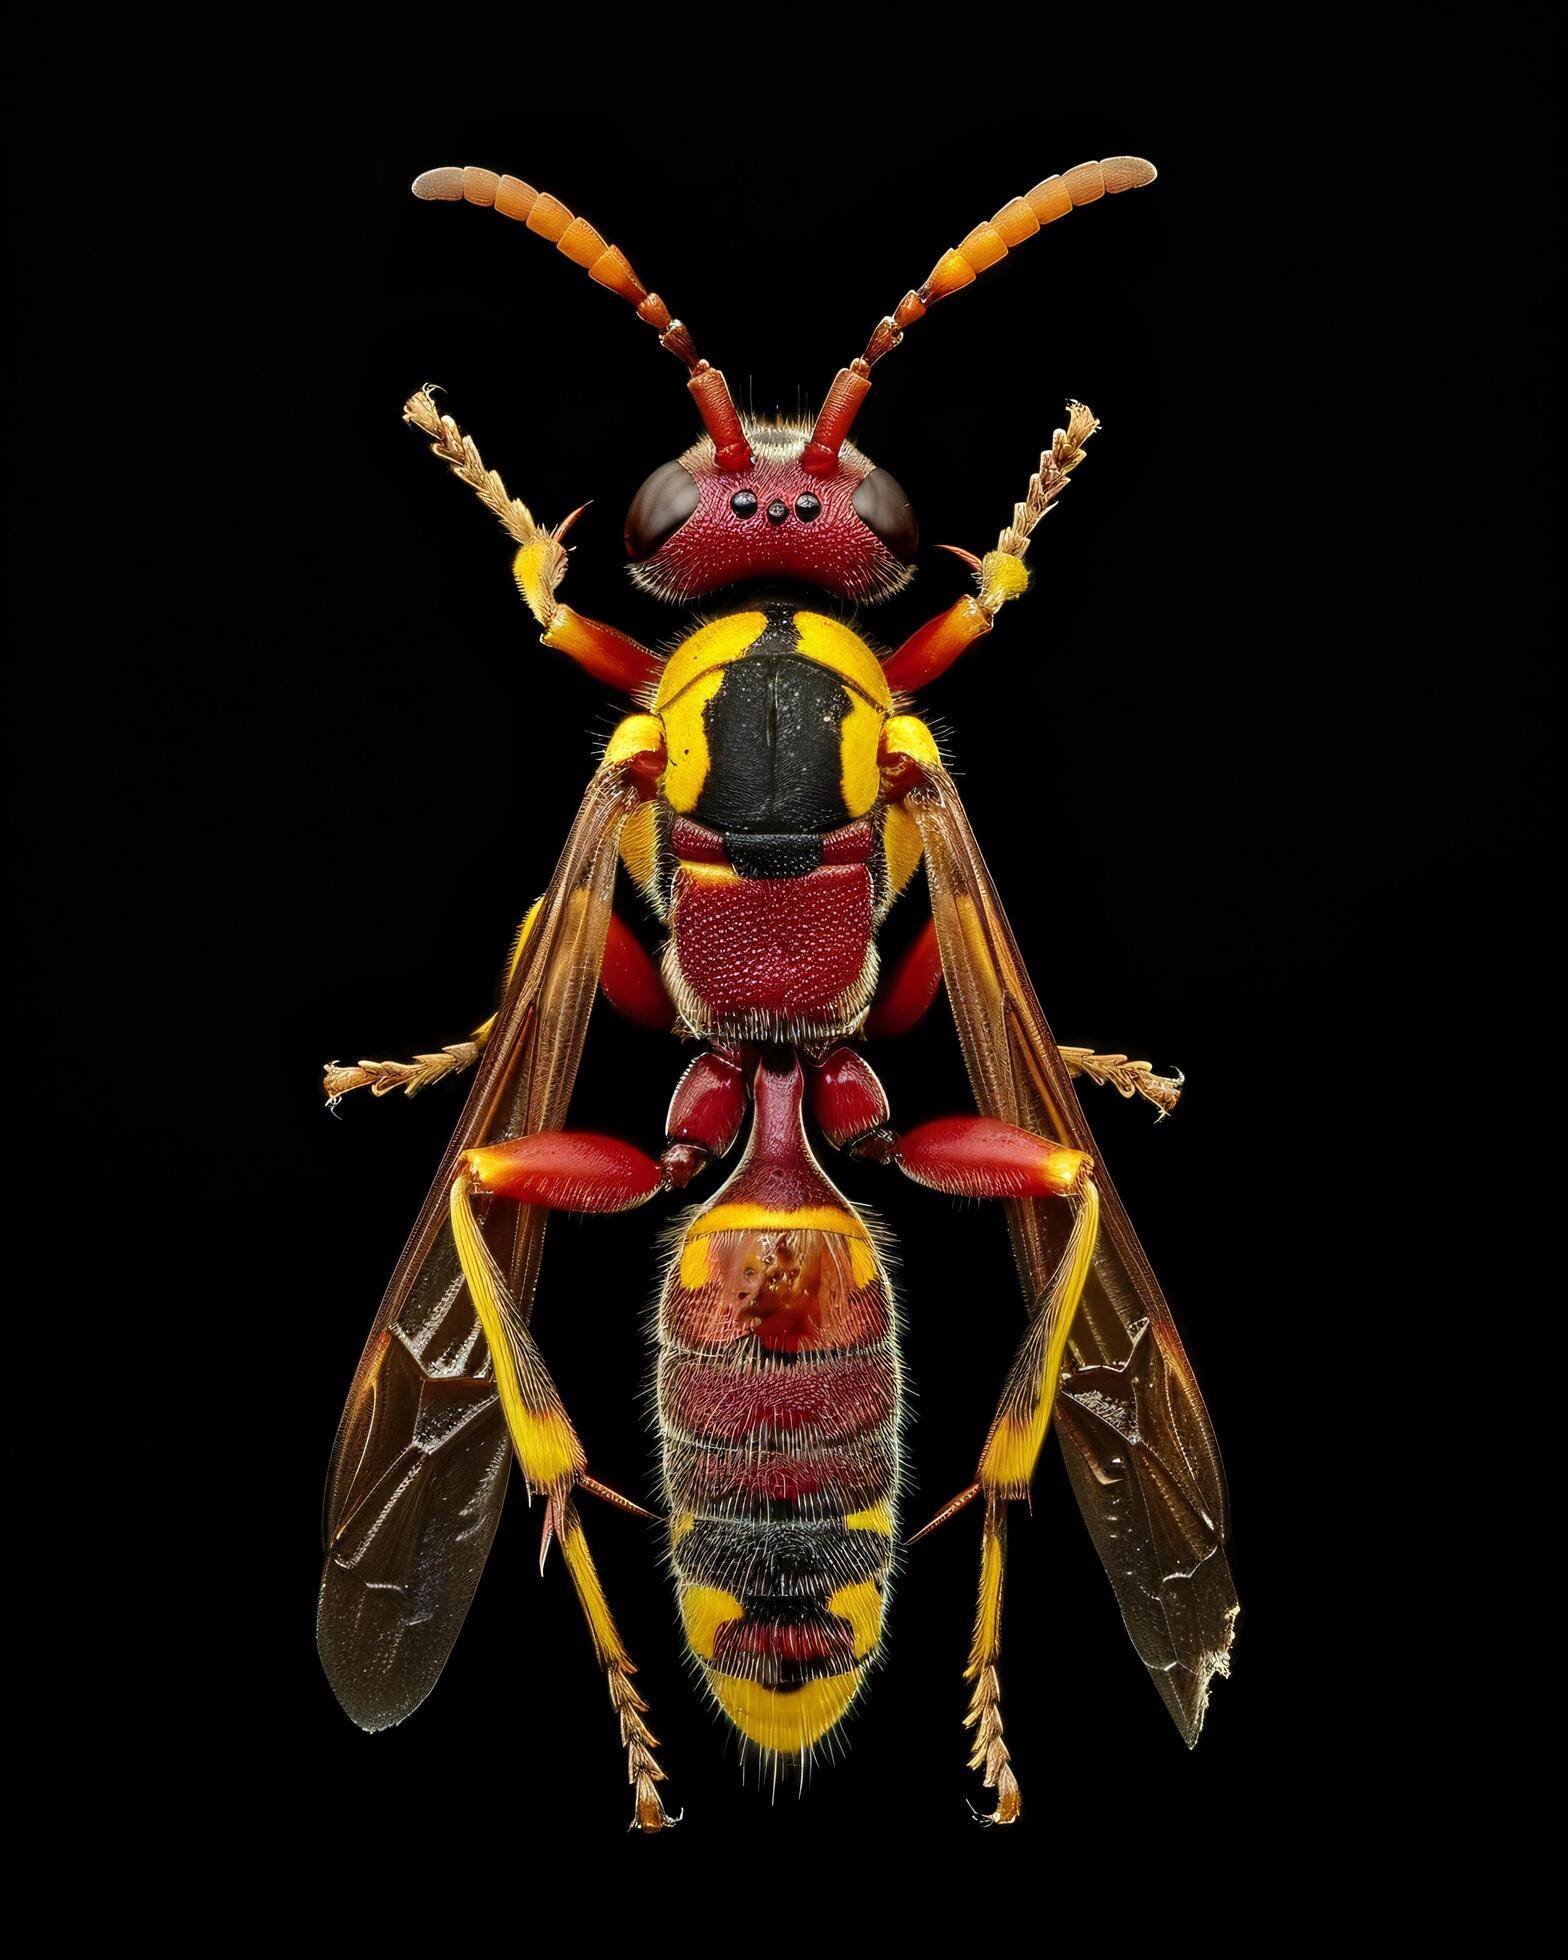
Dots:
pixel 957 268
pixel 609 266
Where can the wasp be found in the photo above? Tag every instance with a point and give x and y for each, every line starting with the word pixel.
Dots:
pixel 770 796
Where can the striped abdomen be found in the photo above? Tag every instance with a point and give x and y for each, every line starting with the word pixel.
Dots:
pixel 778 1401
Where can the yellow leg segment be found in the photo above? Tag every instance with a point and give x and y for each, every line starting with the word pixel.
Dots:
pixel 1007 1462
pixel 553 1461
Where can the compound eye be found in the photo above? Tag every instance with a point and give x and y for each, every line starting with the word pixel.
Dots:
pixel 659 509
pixel 882 507
pixel 744 503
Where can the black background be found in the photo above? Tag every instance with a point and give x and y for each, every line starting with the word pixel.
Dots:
pixel 291 764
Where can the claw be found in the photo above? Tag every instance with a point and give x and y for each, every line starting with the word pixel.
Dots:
pixel 968 557
pixel 547 1534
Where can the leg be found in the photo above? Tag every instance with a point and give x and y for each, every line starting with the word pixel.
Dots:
pixel 540 563
pixel 909 986
pixel 977 1156
pixel 575 1171
pixel 1127 1078
pixel 1000 575
pixel 629 981
pixel 553 1461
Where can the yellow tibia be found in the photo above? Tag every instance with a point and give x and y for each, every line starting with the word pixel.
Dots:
pixel 1013 1447
pixel 788 1720
pixel 546 1444
pixel 831 644
pixel 704 1609
pixel 714 645
pixel 861 1605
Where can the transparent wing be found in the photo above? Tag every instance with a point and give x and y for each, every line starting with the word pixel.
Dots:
pixel 1139 1447
pixel 420 1463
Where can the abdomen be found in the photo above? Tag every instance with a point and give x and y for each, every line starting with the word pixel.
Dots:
pixel 779 1407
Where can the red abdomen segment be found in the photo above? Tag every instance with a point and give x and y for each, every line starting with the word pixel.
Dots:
pixel 779 1403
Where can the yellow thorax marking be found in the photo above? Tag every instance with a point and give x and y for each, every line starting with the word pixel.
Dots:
pixel 831 644
pixel 686 740
pixel 711 646
pixel 860 771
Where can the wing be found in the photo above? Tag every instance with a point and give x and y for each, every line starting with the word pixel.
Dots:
pixel 1137 1440
pixel 420 1463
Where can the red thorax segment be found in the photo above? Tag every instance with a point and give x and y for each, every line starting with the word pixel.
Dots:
pixel 791 951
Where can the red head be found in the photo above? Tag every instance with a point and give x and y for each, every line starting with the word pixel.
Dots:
pixel 694 527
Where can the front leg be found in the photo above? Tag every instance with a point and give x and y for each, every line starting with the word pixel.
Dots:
pixel 1001 575
pixel 540 563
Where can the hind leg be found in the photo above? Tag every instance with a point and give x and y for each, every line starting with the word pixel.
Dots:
pixel 553 1462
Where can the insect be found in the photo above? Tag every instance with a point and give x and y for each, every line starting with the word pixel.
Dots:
pixel 770 797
